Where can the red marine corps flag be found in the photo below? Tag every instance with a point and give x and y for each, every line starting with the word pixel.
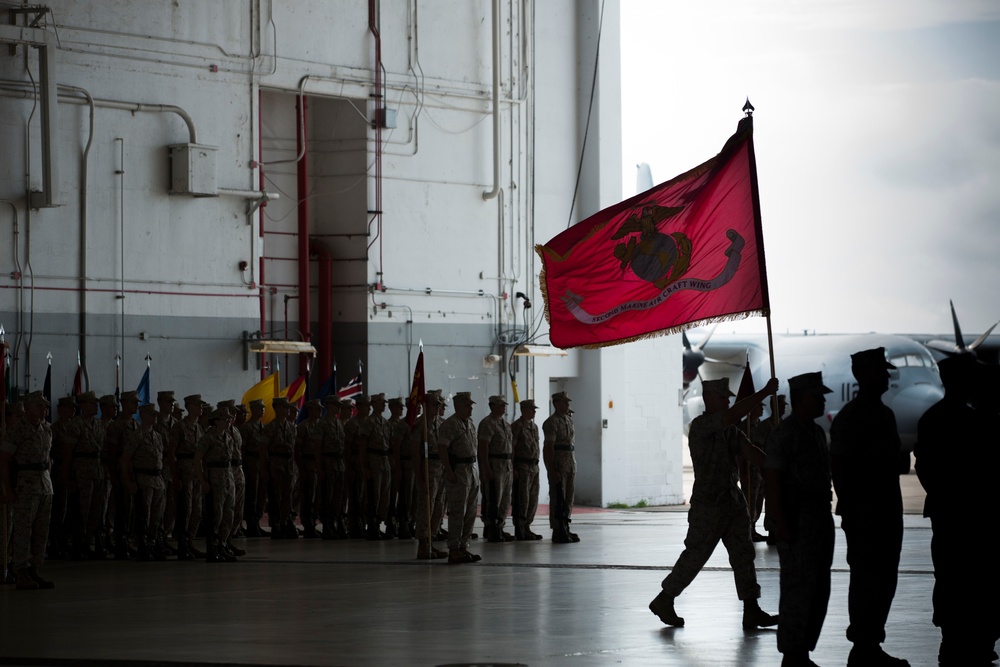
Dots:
pixel 684 253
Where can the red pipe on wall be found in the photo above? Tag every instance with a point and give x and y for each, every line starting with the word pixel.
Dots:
pixel 303 226
pixel 324 284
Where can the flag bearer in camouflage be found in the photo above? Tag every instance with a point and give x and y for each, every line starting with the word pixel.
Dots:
pixel 114 445
pixel 181 448
pixel 560 465
pixel 309 441
pixel 60 525
pixel 407 496
pixel 496 444
pixel 373 448
pixel 797 477
pixel 718 508
pixel 142 472
pixel 430 486
pixel 85 441
pixel 252 434
pixel 527 450
pixel 398 433
pixel 213 461
pixel 279 436
pixel 27 488
pixel 355 477
pixel 330 470
pixel 457 445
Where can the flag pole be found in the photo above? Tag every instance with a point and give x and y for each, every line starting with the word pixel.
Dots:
pixel 3 436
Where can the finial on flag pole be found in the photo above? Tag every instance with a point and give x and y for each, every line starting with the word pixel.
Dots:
pixel 748 108
pixel 149 358
pixel 49 357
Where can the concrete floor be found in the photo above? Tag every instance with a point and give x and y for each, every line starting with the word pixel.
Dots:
pixel 309 602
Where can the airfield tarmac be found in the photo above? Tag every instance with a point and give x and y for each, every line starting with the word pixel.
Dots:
pixel 309 602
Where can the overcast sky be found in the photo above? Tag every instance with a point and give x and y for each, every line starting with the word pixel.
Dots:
pixel 877 134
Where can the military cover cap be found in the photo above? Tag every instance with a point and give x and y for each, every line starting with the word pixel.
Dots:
pixel 497 400
pixel 433 396
pixel 561 396
pixel 87 397
pixel 219 413
pixel 193 398
pixel 206 407
pixel 279 402
pixel 958 368
pixel 130 396
pixel 314 403
pixel 811 382
pixel 528 404
pixel 378 398
pixel 108 399
pixel 149 408
pixel 464 397
pixel 164 395
pixel 398 401
pixel 228 403
pixel 256 404
pixel 35 397
pixel 331 398
pixel 362 399
pixel 67 402
pixel 873 358
pixel 718 387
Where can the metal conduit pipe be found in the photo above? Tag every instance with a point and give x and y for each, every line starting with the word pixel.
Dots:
pixel 302 178
pixel 324 285
pixel 104 104
pixel 490 194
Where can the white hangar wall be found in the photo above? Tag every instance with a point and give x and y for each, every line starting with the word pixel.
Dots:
pixel 419 228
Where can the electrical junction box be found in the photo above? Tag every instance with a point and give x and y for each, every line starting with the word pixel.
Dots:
pixel 192 170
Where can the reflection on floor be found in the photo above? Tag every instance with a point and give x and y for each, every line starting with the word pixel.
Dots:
pixel 310 602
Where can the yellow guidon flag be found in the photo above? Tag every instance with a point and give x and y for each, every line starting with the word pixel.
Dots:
pixel 265 390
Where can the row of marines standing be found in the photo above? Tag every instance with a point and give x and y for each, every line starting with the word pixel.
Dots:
pixel 117 481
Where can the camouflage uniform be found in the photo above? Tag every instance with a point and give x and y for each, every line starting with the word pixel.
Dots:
pixel 280 448
pixel 558 429
pixel 430 491
pixel 29 449
pixel 252 434
pixel 718 509
pixel 183 444
pixel 496 432
pixel 527 450
pixel 458 436
pixel 164 424
pixel 60 524
pixel 144 453
pixel 331 463
pixel 353 477
pixel 114 444
pixel 239 481
pixel 85 436
pixel 309 440
pixel 373 446
pixel 401 489
pixel 215 453
pixel 799 451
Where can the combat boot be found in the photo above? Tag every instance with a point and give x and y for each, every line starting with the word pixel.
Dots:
pixel 183 551
pixel 573 537
pixel 519 534
pixel 424 550
pixel 235 550
pixel 754 617
pixel 211 552
pixel 663 606
pixel 24 581
pixel 42 583
pixel 559 535
pixel 457 556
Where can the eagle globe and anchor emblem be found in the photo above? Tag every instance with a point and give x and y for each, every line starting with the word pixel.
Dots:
pixel 655 257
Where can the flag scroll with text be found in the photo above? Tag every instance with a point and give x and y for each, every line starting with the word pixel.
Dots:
pixel 686 252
